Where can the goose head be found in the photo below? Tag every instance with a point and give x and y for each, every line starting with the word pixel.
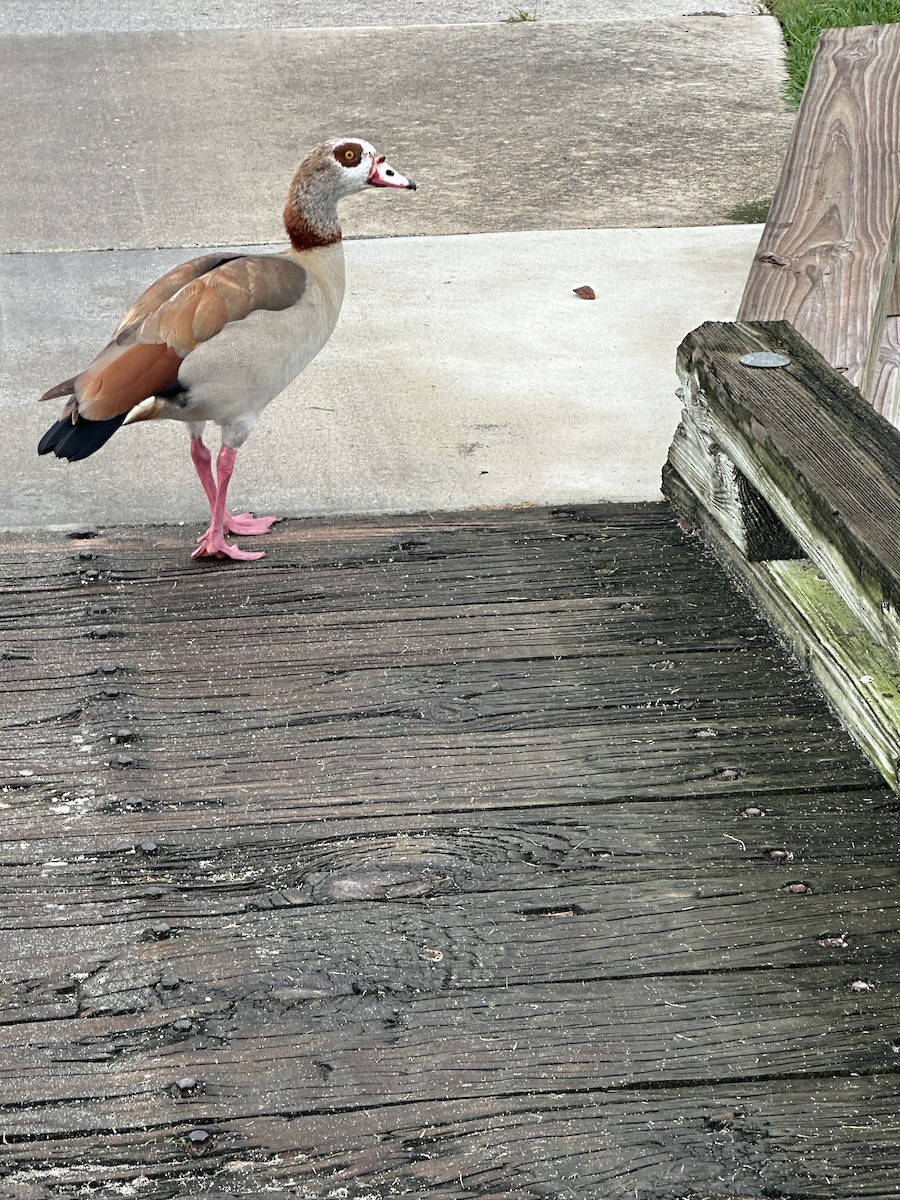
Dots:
pixel 329 172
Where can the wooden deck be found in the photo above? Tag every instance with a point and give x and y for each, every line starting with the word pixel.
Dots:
pixel 503 855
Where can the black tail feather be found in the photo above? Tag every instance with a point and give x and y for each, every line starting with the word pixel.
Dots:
pixel 75 442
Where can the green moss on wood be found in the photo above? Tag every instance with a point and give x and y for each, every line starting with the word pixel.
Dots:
pixel 864 675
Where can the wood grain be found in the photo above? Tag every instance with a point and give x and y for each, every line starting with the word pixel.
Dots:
pixel 885 393
pixel 475 877
pixel 828 256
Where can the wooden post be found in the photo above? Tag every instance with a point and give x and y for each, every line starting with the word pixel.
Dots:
pixel 827 260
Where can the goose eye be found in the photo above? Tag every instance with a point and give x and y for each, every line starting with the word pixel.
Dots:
pixel 348 153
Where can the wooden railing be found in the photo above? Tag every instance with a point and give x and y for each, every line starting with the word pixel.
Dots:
pixel 789 471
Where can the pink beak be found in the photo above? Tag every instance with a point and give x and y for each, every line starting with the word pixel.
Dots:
pixel 383 175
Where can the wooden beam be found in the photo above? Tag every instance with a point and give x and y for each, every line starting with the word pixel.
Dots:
pixel 800 445
pixel 828 466
pixel 827 260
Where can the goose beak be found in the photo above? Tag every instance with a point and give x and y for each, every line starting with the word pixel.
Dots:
pixel 383 175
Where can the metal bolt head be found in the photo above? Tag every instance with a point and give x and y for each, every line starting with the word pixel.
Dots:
pixel 135 804
pixel 766 359
pixel 199 1140
pixel 183 1025
pixel 148 847
pixel 781 855
pixel 862 985
pixel 159 930
pixel 798 889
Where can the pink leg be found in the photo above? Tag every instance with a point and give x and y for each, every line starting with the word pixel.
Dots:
pixel 239 523
pixel 212 544
pixel 202 460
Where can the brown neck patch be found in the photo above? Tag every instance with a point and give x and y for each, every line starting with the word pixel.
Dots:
pixel 304 234
pixel 310 215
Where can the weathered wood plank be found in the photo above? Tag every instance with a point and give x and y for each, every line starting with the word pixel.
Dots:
pixel 825 462
pixel 441 692
pixel 828 256
pixel 828 1137
pixel 864 676
pixel 109 960
pixel 565 837
pixel 465 773
pixel 521 873
pixel 341 587
pixel 485 692
pixel 316 1052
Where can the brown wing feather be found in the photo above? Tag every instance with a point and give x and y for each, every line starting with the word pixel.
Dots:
pixel 123 376
pixel 167 285
pixel 144 358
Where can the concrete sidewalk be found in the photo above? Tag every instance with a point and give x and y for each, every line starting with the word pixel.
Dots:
pixel 24 17
pixel 464 372
pixel 121 141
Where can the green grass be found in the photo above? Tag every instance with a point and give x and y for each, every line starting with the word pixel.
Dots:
pixel 803 21
pixel 523 14
pixel 752 212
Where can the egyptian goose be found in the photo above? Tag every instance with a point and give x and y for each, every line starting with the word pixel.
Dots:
pixel 219 337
